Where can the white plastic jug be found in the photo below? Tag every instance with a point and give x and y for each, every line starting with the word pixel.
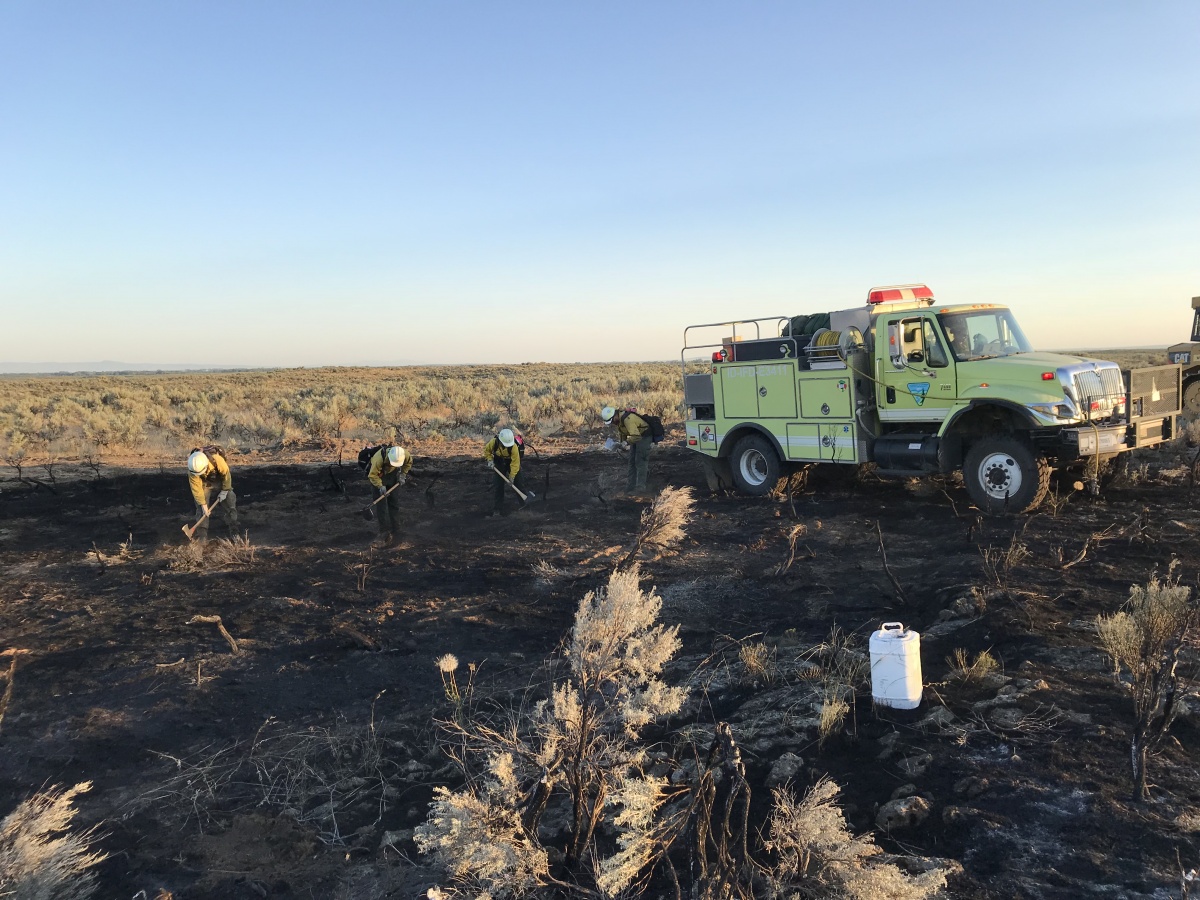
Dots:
pixel 896 666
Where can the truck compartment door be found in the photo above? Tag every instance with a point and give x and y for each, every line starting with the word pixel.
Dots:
pixel 803 442
pixel 739 392
pixel 838 443
pixel 776 391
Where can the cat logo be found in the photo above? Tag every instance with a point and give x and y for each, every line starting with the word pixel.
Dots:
pixel 919 391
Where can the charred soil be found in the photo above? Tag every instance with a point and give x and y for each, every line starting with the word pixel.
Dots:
pixel 295 759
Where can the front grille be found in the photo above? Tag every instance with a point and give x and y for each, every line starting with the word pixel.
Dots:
pixel 1102 385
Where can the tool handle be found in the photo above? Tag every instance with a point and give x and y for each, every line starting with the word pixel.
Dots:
pixel 189 531
pixel 520 493
pixel 384 494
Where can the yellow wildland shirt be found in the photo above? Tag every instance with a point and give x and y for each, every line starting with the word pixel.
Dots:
pixel 380 467
pixel 499 455
pixel 217 468
pixel 631 427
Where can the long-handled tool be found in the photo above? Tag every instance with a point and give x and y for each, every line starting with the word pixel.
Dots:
pixel 368 511
pixel 520 493
pixel 191 530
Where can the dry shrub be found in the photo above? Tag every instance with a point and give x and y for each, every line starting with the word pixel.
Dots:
pixel 40 858
pixel 1144 640
pixel 816 854
pixel 582 745
pixel 663 523
pixel 963 668
pixel 187 557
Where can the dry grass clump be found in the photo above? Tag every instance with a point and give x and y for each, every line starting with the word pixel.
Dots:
pixel 816 856
pixel 1145 640
pixel 758 663
pixel 972 671
pixel 234 551
pixel 841 670
pixel 40 858
pixel 1000 562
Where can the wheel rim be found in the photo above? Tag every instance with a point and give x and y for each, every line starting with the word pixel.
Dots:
pixel 1000 475
pixel 753 466
pixel 1191 401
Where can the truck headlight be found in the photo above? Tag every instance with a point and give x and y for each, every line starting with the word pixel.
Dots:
pixel 1062 410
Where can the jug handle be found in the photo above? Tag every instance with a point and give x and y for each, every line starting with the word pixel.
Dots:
pixel 892 626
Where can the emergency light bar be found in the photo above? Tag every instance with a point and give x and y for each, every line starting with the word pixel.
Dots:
pixel 899 292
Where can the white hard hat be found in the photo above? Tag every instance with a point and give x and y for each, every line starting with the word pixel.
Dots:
pixel 395 457
pixel 197 462
pixel 507 438
pixel 607 414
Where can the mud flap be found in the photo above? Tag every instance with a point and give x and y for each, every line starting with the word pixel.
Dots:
pixel 717 474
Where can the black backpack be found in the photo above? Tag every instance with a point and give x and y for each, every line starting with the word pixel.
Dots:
pixel 653 424
pixel 365 455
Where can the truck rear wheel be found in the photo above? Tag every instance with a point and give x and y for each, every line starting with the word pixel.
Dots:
pixel 1003 474
pixel 755 465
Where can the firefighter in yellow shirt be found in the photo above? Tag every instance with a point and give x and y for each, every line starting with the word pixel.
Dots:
pixel 389 468
pixel 634 431
pixel 503 455
pixel 212 489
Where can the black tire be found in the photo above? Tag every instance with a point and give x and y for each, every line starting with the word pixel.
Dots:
pixel 1191 401
pixel 755 465
pixel 1004 474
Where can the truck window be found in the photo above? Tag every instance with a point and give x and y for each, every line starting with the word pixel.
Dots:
pixel 983 334
pixel 935 353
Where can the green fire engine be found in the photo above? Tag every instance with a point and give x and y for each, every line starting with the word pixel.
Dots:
pixel 915 388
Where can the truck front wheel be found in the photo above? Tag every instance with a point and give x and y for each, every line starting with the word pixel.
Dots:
pixel 1003 474
pixel 755 465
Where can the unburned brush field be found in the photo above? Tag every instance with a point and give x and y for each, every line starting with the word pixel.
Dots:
pixel 293 749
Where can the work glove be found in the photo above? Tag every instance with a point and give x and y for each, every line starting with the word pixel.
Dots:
pixel 400 479
pixel 221 496
pixel 491 464
pixel 382 491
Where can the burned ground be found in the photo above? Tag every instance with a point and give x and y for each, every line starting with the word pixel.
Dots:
pixel 297 766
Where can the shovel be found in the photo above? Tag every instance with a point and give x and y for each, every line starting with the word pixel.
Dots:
pixel 368 511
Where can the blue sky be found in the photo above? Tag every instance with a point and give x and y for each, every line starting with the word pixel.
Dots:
pixel 290 183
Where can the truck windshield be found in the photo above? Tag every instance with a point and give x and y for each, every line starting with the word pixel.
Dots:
pixel 983 334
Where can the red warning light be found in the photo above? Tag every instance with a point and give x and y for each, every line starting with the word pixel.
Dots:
pixel 900 292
